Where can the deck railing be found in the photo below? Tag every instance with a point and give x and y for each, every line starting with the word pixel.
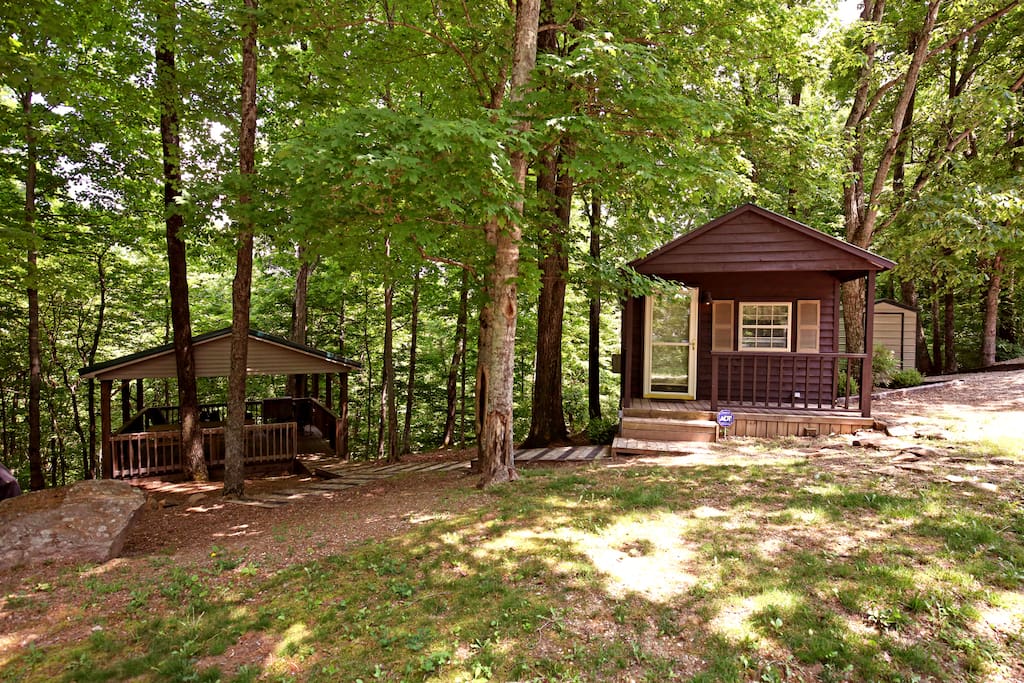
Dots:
pixel 150 453
pixel 312 412
pixel 208 412
pixel 796 381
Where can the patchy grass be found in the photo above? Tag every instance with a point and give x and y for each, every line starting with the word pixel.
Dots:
pixel 771 572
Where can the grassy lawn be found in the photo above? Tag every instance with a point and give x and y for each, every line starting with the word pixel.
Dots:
pixel 770 572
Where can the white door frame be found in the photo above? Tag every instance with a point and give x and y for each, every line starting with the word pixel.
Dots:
pixel 691 393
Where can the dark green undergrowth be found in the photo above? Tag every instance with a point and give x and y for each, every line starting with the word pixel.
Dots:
pixel 768 573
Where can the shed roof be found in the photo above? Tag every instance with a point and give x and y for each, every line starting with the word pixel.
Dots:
pixel 268 355
pixel 752 239
pixel 895 304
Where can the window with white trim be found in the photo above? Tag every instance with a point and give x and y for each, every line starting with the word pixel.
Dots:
pixel 765 326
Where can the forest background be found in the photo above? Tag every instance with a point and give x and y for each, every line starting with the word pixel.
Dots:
pixel 399 164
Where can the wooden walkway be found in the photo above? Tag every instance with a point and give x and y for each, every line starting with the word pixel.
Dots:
pixel 338 475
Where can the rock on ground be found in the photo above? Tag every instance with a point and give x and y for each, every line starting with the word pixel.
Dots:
pixel 85 522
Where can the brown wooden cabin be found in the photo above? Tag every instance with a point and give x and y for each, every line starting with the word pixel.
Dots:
pixel 753 327
pixel 149 441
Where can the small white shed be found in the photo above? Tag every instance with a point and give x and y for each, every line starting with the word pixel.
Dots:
pixel 895 329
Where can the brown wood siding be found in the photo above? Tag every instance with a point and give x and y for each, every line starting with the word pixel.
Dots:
pixel 751 242
pixel 740 287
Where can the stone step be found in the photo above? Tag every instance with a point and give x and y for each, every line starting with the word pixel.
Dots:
pixel 628 446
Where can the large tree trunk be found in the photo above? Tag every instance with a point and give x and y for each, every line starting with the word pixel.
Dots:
pixel 991 320
pixel 167 88
pixel 594 336
pixel 547 417
pixel 241 287
pixel 908 292
pixel 498 316
pixel 389 413
pixel 862 190
pixel 457 366
pixel 410 393
pixel 949 332
pixel 35 365
pixel 300 313
pixel 937 359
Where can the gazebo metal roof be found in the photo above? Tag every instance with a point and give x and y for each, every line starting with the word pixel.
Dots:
pixel 268 355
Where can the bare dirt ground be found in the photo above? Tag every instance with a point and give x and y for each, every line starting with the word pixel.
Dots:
pixel 932 425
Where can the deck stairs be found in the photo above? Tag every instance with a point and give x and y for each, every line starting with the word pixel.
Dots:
pixel 654 429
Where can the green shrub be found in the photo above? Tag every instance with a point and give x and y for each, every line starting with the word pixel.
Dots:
pixel 906 378
pixel 1006 350
pixel 602 430
pixel 854 385
pixel 883 366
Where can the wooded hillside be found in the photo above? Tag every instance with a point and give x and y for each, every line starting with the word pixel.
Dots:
pixel 431 181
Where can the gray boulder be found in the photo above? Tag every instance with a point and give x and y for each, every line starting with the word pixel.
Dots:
pixel 85 522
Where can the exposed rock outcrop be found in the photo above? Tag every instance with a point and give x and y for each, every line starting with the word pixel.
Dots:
pixel 85 522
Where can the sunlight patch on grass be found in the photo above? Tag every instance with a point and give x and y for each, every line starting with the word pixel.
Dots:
pixel 808 516
pixel 292 641
pixel 647 556
pixel 735 620
pixel 1004 614
pixel 1005 446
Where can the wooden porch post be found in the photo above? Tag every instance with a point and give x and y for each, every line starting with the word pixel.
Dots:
pixel 140 395
pixel 714 383
pixel 869 346
pixel 316 386
pixel 341 440
pixel 328 398
pixel 107 457
pixel 625 397
pixel 126 400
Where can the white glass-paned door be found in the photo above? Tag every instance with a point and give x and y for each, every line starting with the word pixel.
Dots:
pixel 671 349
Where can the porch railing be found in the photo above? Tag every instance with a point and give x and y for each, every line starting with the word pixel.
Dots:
pixel 796 381
pixel 150 453
pixel 154 416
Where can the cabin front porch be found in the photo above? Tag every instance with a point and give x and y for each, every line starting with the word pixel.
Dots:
pixel 652 426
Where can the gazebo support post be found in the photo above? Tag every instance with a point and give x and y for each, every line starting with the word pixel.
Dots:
pixel 315 391
pixel 107 466
pixel 328 397
pixel 140 395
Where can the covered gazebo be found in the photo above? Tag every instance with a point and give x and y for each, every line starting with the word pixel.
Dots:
pixel 149 440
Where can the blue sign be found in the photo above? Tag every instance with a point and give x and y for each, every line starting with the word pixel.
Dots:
pixel 724 418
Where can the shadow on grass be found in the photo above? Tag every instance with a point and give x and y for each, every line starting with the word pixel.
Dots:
pixel 646 573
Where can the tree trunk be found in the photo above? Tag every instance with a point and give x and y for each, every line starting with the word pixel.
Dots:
pixel 300 312
pixel 167 88
pixel 908 292
pixel 498 317
pixel 458 363
pixel 547 417
pixel 991 320
pixel 35 365
pixel 594 336
pixel 937 358
pixel 949 332
pixel 861 193
pixel 410 393
pixel 388 430
pixel 241 287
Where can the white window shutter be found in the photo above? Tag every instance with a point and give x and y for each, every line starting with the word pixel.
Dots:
pixel 722 326
pixel 808 321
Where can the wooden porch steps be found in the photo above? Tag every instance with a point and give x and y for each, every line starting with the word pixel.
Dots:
pixel 668 429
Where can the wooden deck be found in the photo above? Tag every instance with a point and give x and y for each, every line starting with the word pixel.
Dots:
pixel 662 426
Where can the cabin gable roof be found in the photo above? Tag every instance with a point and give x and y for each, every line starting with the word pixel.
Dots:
pixel 752 239
pixel 268 355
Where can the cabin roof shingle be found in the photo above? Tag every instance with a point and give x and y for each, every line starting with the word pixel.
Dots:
pixel 752 239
